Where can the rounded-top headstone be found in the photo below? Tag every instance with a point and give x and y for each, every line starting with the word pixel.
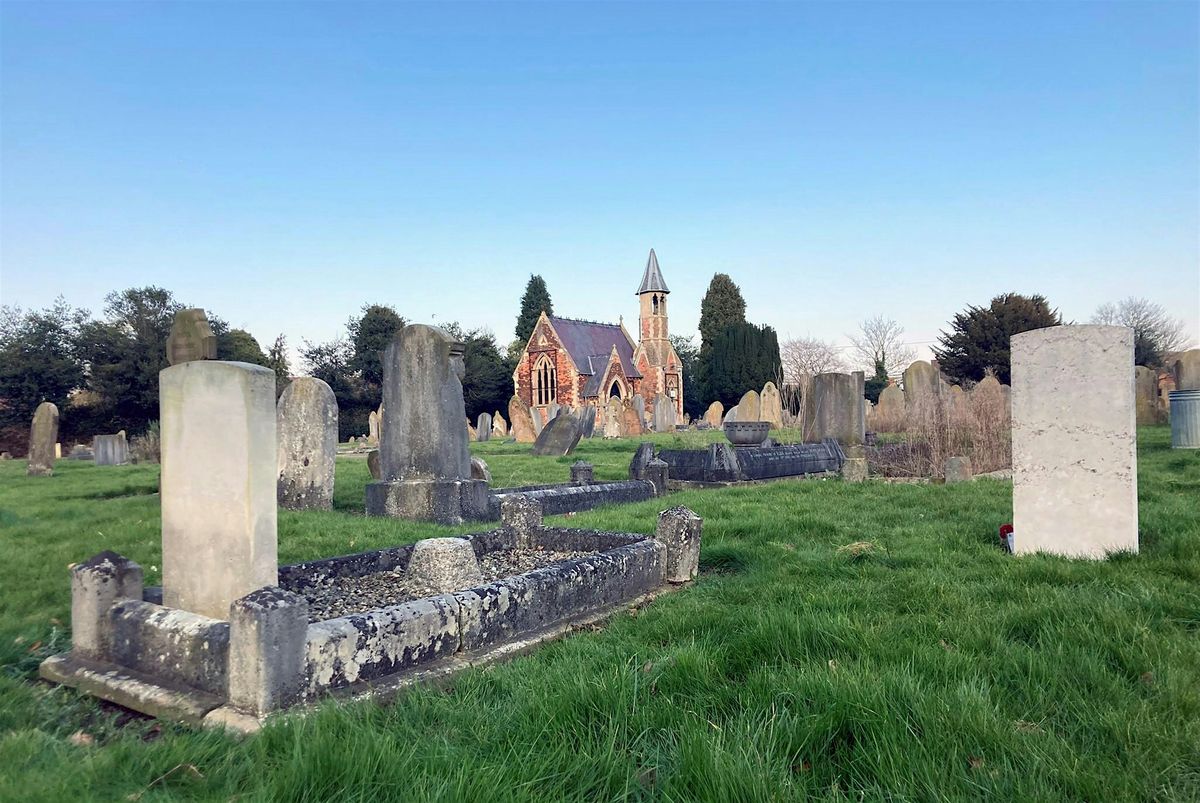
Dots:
pixel 444 564
pixel 750 407
pixel 771 406
pixel 307 425
pixel 43 437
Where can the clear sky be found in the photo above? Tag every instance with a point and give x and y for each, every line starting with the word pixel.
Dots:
pixel 283 164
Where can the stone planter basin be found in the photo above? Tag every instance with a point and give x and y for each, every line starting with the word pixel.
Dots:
pixel 747 433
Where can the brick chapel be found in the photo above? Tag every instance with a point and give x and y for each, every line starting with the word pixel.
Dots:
pixel 573 362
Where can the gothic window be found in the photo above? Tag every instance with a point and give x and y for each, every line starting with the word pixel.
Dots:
pixel 545 381
pixel 614 392
pixel 654 301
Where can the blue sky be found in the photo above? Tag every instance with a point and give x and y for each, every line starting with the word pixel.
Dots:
pixel 283 164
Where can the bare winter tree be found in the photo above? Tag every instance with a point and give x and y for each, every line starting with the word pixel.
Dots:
pixel 881 339
pixel 808 356
pixel 1157 334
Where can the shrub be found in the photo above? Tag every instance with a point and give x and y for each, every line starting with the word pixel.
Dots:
pixel 144 448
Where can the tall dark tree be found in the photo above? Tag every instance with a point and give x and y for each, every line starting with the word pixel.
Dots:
pixel 277 361
pixel 978 339
pixel 488 385
pixel 875 385
pixel 689 358
pixel 369 336
pixel 39 359
pixel 743 357
pixel 721 308
pixel 535 301
pixel 125 352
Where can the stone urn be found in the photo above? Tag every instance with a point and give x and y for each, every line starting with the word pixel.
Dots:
pixel 747 433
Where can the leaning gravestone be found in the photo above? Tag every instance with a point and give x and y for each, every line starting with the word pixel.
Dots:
pixel 219 457
pixel 1074 444
pixel 750 407
pixel 1186 370
pixel 664 413
pixel 191 338
pixel 714 414
pixel 307 424
pixel 483 427
pixel 423 454
pixel 520 421
pixel 835 408
pixel 921 382
pixel 771 406
pixel 559 437
pixel 587 420
pixel 552 410
pixel 43 437
pixel 110 450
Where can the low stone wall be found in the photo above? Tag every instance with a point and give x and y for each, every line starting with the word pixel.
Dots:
pixel 559 499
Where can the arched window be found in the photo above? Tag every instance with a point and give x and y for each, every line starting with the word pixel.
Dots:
pixel 614 391
pixel 545 381
pixel 654 301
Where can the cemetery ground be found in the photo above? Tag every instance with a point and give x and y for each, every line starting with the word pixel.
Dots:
pixel 843 642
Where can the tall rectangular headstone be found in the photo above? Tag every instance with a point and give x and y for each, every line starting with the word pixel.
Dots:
pixel 110 450
pixel 1074 441
pixel 217 430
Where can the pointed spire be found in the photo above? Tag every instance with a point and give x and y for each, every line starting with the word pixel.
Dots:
pixel 652 279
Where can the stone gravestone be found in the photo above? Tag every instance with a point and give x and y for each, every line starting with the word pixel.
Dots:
pixel 639 404
pixel 520 421
pixel 664 413
pixel 191 338
pixel 539 420
pixel 1187 370
pixel 110 450
pixel 372 427
pixel 43 437
pixel 483 427
pixel 425 465
pixel 834 407
pixel 552 410
pixel 219 457
pixel 1073 441
pixel 730 415
pixel 750 407
pixel 889 413
pixel 587 420
pixel 958 469
pixel 921 381
pixel 307 425
pixel 631 423
pixel 499 425
pixel 771 406
pixel 1145 383
pixel 641 458
pixel 714 415
pixel 559 437
pixel 613 418
pixel 373 464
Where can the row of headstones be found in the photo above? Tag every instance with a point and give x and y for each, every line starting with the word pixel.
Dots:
pixel 44 448
pixel 766 405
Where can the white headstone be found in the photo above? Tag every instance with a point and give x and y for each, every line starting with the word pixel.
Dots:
pixel 1074 441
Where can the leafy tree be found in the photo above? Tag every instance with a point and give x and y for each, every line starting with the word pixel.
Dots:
pixel 535 301
pixel 979 336
pixel 875 385
pixel 277 361
pixel 125 353
pixel 743 357
pixel 369 336
pixel 689 358
pixel 721 308
pixel 881 340
pixel 1155 333
pixel 39 359
pixel 238 345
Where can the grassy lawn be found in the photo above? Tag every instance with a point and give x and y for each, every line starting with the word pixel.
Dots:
pixel 928 666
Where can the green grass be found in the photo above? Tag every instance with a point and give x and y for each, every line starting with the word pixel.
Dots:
pixel 929 666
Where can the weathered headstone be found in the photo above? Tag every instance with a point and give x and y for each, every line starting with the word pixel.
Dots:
pixel 714 415
pixel 679 530
pixel 423 455
pixel 639 404
pixel 771 406
pixel 921 381
pixel 560 436
pixel 632 424
pixel 664 413
pixel 373 464
pixel 959 405
pixel 1145 382
pixel 472 435
pixel 43 437
pixel 750 407
pixel 444 564
pixel 218 489
pixel 372 427
pixel 499 425
pixel 582 473
pixel 480 470
pixel 520 421
pixel 1187 370
pixel 307 424
pixel 613 418
pixel 641 458
pixel 191 338
pixel 1074 441
pixel 958 469
pixel 889 413
pixel 657 472
pixel 587 420
pixel 483 427
pixel 110 450
pixel 835 408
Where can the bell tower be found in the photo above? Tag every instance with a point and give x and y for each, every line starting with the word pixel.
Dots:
pixel 652 294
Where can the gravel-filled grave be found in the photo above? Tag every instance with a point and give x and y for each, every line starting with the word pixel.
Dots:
pixel 342 596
